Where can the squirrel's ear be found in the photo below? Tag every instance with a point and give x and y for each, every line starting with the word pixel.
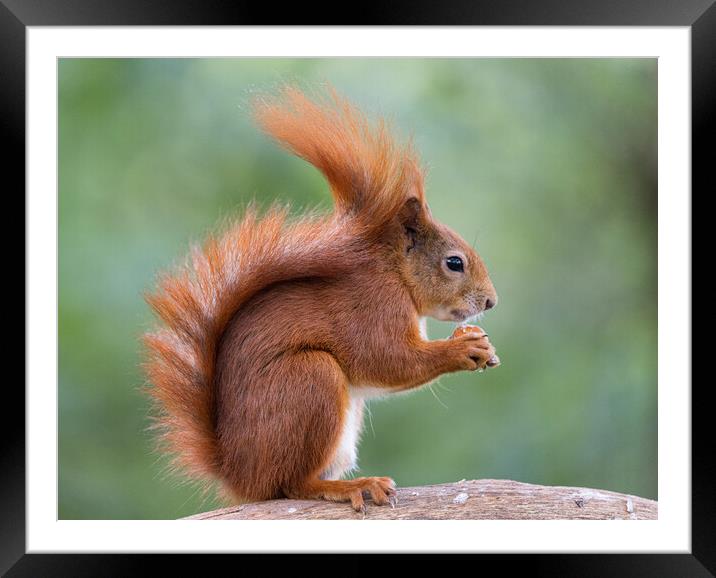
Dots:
pixel 412 217
pixel 411 212
pixel 414 209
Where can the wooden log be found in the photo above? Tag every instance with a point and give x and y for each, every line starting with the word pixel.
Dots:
pixel 463 500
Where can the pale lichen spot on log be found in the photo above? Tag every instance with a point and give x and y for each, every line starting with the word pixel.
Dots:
pixel 583 497
pixel 461 498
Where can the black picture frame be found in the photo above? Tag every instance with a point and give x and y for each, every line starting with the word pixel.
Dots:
pixel 17 15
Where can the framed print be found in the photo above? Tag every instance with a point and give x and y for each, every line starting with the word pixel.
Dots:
pixel 555 148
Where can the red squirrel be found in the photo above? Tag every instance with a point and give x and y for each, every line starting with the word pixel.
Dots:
pixel 278 329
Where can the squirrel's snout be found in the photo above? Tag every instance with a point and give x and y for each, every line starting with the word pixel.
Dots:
pixel 486 300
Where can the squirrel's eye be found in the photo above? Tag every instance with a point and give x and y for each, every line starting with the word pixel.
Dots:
pixel 454 264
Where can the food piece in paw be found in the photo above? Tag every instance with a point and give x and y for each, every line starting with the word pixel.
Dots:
pixel 461 330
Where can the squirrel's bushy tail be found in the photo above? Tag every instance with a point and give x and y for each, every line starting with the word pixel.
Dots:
pixel 369 173
pixel 196 304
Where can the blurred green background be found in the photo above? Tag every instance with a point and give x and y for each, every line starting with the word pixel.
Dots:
pixel 548 165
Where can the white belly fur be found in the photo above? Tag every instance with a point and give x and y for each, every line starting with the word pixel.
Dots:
pixel 346 457
pixel 423 325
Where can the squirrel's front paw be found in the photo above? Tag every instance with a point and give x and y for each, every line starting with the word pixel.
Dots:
pixel 472 348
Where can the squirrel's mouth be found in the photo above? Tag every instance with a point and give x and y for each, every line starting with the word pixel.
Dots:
pixel 461 315
pixel 455 314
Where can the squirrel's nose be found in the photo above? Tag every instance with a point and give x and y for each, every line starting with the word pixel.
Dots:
pixel 489 303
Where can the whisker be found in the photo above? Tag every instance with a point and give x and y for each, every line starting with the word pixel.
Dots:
pixel 370 418
pixel 430 387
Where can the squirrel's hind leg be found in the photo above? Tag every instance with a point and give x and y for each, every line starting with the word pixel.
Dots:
pixel 341 426
pixel 381 491
pixel 283 430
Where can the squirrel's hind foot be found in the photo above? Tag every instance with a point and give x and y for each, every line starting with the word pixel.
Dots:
pixel 380 489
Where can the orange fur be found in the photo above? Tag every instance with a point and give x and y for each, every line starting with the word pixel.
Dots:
pixel 369 173
pixel 273 326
